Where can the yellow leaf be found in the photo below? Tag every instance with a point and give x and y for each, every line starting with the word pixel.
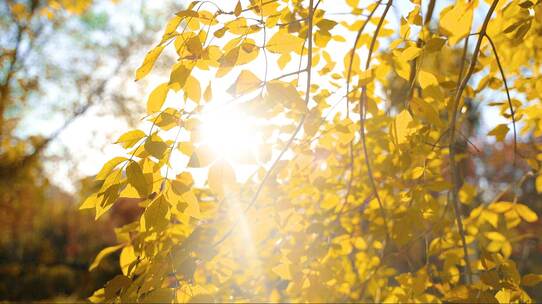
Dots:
pixel 238 9
pixel 135 177
pixel 490 217
pixel 193 44
pixel 179 75
pixel 167 119
pixel 531 279
pixel 245 83
pixel 352 3
pixel 506 249
pixel 221 177
pixel 115 285
pixel 402 68
pixel 525 213
pixel 283 60
pixel 425 111
pixel 410 53
pixel 97 296
pixel 538 183
pixel 155 146
pixel 248 53
pixel 494 246
pixel 155 215
pixel 401 126
pixel 330 201
pixel 228 61
pixel 90 202
pixel 417 172
pixel 186 147
pixel 427 79
pixel 495 236
pixel 102 254
pixel 326 25
pixel 467 193
pixel 284 42
pixel 130 138
pixel 171 29
pixel 127 257
pixel 208 94
pixel 109 166
pixel 501 207
pixel 455 22
pixel 503 296
pixel 265 8
pixel 285 93
pixel 192 89
pixel 499 132
pixel 157 98
pixel 149 61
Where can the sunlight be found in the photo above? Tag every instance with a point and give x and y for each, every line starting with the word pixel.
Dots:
pixel 231 133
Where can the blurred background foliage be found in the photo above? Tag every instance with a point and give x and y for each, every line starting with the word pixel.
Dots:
pixel 65 72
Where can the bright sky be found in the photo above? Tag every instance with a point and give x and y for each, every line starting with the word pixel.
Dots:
pixel 89 139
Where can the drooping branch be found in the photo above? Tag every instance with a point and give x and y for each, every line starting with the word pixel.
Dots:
pixel 362 116
pixel 454 170
pixel 510 105
pixel 348 77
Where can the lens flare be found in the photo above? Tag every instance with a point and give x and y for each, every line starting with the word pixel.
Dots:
pixel 231 133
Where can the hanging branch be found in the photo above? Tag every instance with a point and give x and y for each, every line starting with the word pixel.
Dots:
pixel 362 113
pixel 512 112
pixel 348 77
pixel 452 147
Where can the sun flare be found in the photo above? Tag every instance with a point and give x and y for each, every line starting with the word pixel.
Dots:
pixel 231 133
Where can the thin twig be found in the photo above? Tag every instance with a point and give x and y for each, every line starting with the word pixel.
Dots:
pixel 362 113
pixel 512 112
pixel 452 147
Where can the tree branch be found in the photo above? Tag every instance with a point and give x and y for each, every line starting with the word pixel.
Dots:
pixel 452 147
pixel 512 112
pixel 362 114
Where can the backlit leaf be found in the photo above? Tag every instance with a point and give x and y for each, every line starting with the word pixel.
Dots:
pixel 130 138
pixel 456 21
pixel 499 132
pixel 245 83
pixel 135 177
pixel 149 61
pixel 525 213
pixel 157 98
pixel 102 254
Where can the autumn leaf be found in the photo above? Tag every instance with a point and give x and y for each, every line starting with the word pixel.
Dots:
pixel 148 63
pixel 499 132
pixel 135 177
pixel 245 83
pixel 103 254
pixel 130 138
pixel 455 21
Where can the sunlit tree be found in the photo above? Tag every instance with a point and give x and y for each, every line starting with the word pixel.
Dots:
pixel 296 153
